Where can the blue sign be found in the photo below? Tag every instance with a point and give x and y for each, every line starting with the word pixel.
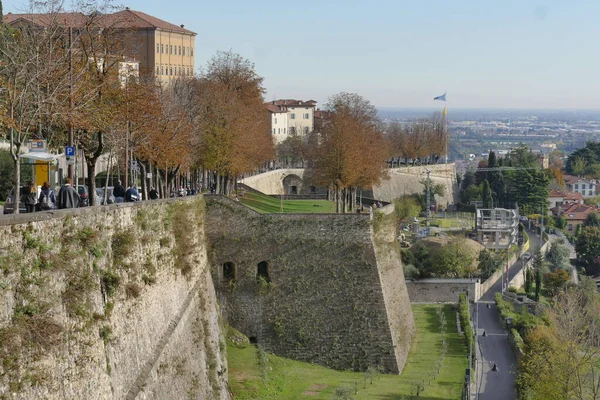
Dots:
pixel 70 151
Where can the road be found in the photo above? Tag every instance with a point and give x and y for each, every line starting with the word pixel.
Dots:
pixel 494 347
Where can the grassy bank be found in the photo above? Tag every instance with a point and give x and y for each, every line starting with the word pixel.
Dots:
pixel 270 205
pixel 254 376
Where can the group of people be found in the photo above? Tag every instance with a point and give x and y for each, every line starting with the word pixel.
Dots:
pixel 47 200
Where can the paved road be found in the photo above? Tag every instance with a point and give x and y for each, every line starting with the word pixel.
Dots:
pixel 494 347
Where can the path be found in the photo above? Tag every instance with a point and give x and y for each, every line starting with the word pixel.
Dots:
pixel 494 347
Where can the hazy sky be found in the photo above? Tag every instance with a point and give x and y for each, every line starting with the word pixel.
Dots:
pixel 402 53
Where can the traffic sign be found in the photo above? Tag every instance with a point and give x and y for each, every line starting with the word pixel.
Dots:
pixel 70 151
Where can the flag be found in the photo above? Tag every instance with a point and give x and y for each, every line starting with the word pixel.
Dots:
pixel 445 111
pixel 441 98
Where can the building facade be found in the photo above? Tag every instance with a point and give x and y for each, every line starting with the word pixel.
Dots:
pixel 497 228
pixel 587 187
pixel 159 47
pixel 291 117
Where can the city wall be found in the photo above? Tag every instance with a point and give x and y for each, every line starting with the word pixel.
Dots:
pixel 113 302
pixel 323 288
pixel 442 290
pixel 402 181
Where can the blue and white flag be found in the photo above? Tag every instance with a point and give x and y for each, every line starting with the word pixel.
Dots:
pixel 441 98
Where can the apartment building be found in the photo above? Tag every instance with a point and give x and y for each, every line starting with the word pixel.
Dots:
pixel 289 117
pixel 157 46
pixel 587 187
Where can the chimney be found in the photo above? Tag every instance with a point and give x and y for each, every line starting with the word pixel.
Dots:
pixel 182 25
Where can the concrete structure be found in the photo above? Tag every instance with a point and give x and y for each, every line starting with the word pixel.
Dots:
pixel 323 288
pixel 442 290
pixel 113 302
pixel 497 228
pixel 160 47
pixel 289 117
pixel 575 184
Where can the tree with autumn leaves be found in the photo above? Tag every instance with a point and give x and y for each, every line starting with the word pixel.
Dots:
pixel 350 151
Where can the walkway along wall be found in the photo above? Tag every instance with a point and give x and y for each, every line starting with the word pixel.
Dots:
pixel 109 302
pixel 329 290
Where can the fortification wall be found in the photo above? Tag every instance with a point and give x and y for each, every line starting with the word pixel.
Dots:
pixel 330 300
pixel 402 181
pixel 442 290
pixel 407 180
pixel 109 303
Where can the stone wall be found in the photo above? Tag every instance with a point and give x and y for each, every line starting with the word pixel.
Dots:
pixel 331 297
pixel 109 302
pixel 442 290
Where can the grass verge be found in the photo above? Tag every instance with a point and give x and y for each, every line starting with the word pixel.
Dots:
pixel 289 379
pixel 270 205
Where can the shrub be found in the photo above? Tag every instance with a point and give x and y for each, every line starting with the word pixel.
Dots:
pixel 110 282
pixel 133 290
pixel 122 244
pixel 463 311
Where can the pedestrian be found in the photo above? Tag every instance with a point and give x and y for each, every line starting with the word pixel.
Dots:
pixel 131 195
pixel 29 196
pixel 67 195
pixel 47 200
pixel 153 194
pixel 119 192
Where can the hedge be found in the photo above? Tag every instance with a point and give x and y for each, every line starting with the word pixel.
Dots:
pixel 463 312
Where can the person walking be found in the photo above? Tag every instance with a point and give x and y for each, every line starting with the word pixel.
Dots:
pixel 68 196
pixel 131 195
pixel 119 192
pixel 153 194
pixel 47 200
pixel 29 196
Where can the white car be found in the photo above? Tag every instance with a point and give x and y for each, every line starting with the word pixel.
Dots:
pixel 526 256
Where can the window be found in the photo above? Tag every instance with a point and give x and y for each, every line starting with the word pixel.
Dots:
pixel 313 189
pixel 292 116
pixel 589 193
pixel 161 70
pixel 306 130
pixel 179 50
pixel 583 186
pixel 192 50
pixel 170 70
pixel 273 131
pixel 292 130
pixel 262 271
pixel 570 227
pixel 157 48
pixel 284 131
pixel 229 272
pixel 157 70
pixel 170 49
pixel 183 50
pixel 276 120
pixel 576 186
pixel 162 48
pixel 278 130
pixel 306 116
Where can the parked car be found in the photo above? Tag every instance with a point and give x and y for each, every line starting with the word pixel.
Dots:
pixel 84 197
pixel 9 204
pixel 100 193
pixel 526 256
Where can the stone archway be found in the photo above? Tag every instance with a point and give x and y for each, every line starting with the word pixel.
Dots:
pixel 292 184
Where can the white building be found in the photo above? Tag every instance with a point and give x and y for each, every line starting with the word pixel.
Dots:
pixel 586 187
pixel 289 117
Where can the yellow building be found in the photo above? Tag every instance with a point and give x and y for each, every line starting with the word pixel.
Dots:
pixel 160 47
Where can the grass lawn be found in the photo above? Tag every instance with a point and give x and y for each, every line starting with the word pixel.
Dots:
pixel 269 205
pixel 287 379
pixel 452 223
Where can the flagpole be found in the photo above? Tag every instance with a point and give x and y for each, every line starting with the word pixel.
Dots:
pixel 446 128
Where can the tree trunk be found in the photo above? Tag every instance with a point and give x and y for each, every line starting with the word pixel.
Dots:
pixel 144 180
pixel 106 182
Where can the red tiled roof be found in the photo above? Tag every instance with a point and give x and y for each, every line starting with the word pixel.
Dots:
pixel 294 103
pixel 121 19
pixel 578 212
pixel 573 196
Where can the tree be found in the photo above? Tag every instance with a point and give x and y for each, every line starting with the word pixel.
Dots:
pixel 350 152
pixel 406 207
pixel 293 149
pixel 588 250
pixel 555 280
pixel 593 220
pixel 538 284
pixel 558 255
pixel 489 263
pixel 486 195
pixel 232 125
pixel 452 261
pixel 528 280
pixel 560 359
pixel 579 165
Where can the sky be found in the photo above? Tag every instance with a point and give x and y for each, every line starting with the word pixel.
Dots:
pixel 402 53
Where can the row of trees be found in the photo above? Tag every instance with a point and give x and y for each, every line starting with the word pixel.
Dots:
pixel 527 186
pixel 65 84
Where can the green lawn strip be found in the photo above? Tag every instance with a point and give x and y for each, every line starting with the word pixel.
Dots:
pixel 288 379
pixel 270 205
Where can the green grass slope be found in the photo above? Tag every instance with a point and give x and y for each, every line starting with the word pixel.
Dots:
pixel 270 205
pixel 253 375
